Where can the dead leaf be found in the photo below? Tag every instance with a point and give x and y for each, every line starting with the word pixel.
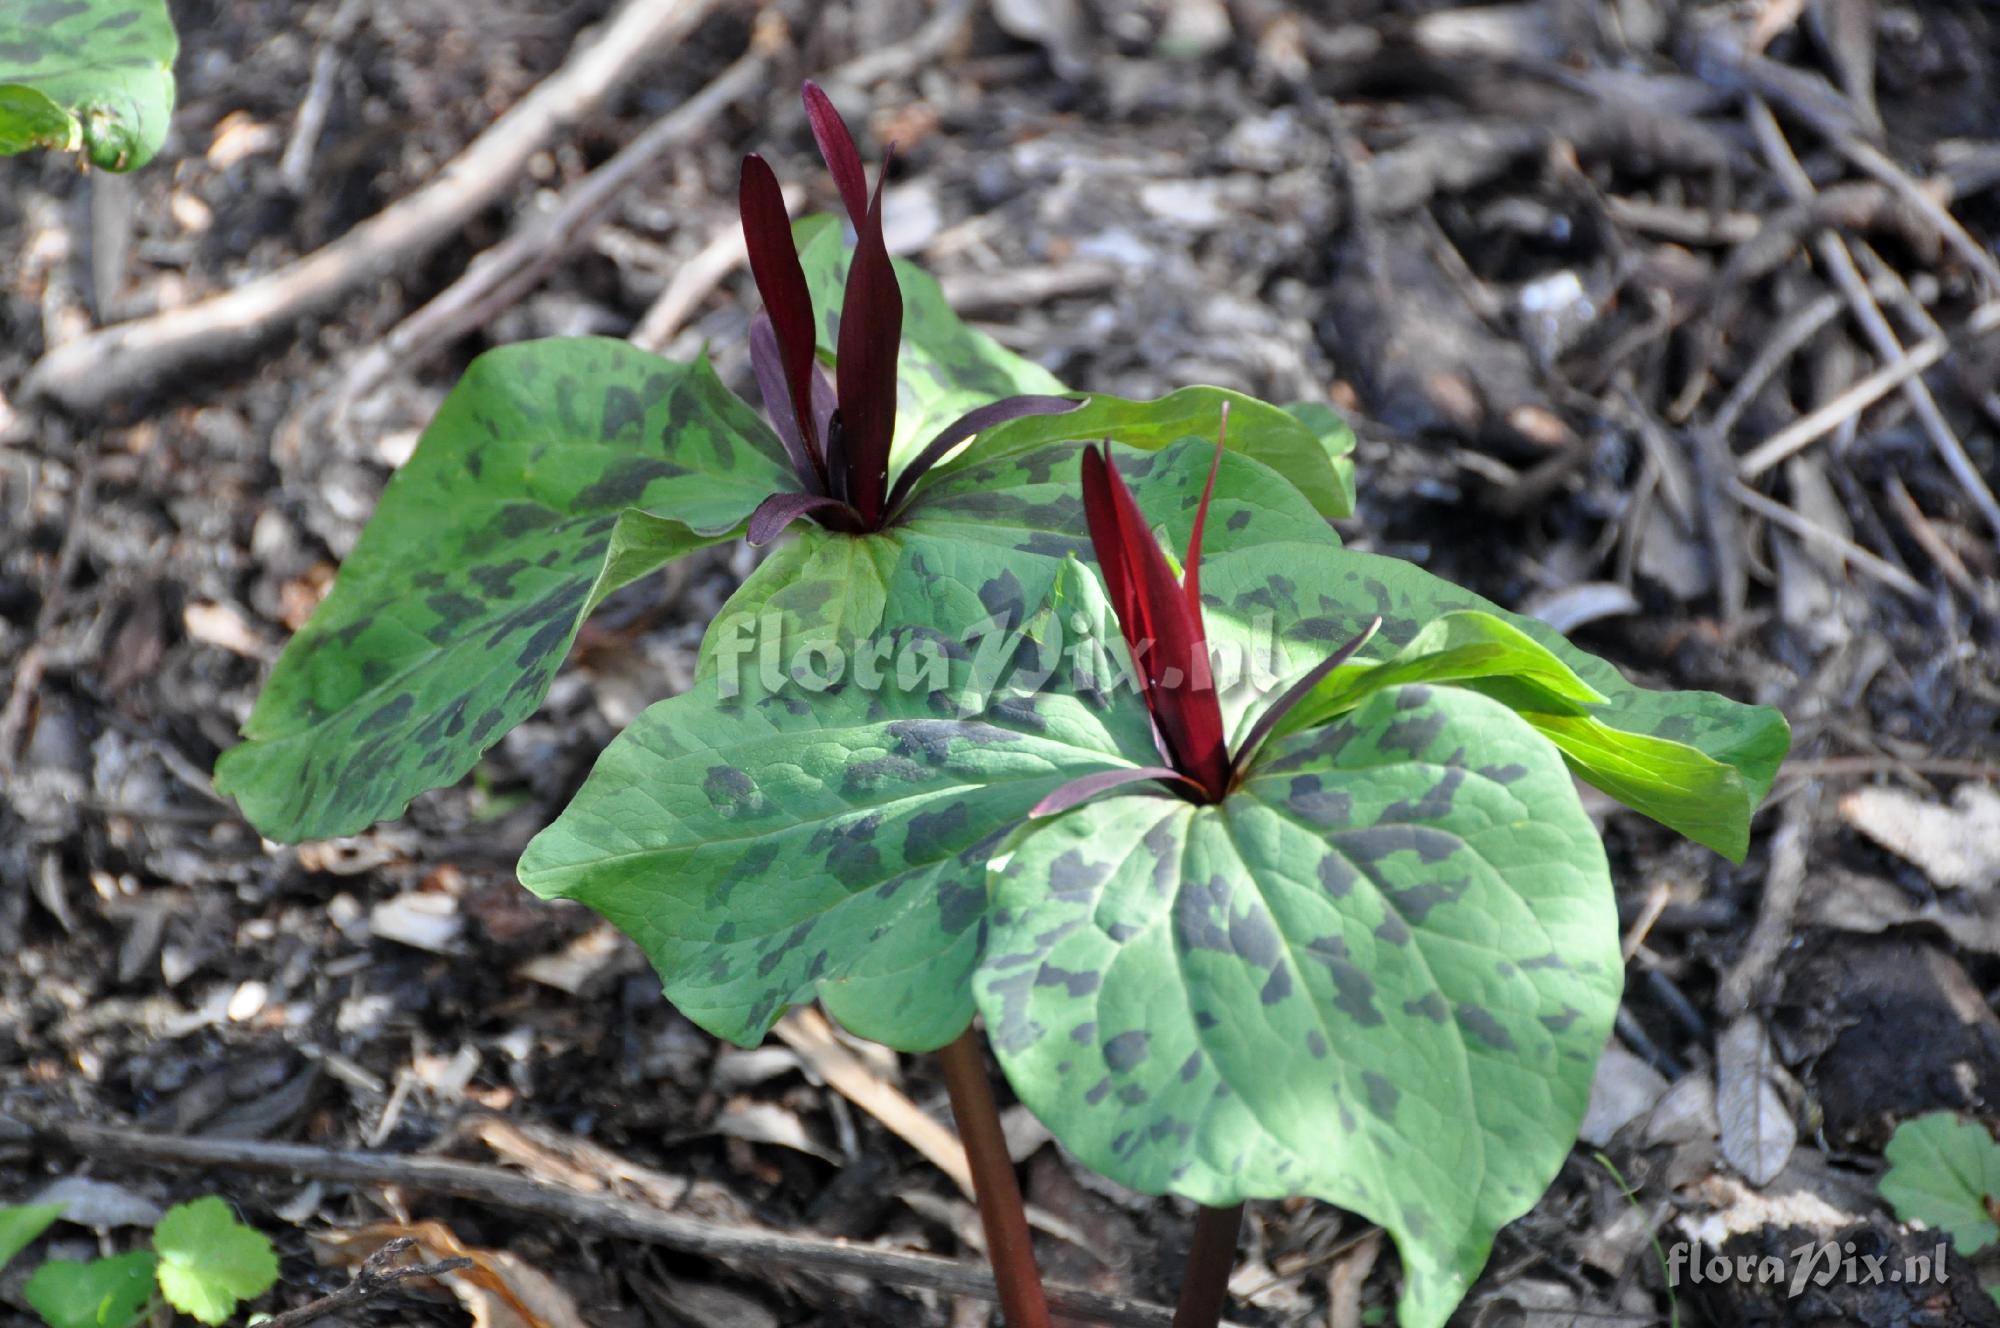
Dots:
pixel 1850 901
pixel 1624 1089
pixel 1956 846
pixel 1757 1128
pixel 499 1290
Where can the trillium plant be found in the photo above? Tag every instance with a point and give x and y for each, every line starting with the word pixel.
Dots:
pixel 1266 873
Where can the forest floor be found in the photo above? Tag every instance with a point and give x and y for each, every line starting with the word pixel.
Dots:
pixel 1576 272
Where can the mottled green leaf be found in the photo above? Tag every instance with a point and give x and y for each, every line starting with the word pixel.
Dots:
pixel 1380 973
pixel 555 472
pixel 1672 782
pixel 1009 522
pixel 209 1262
pixel 1944 1171
pixel 104 1293
pixel 944 368
pixel 1336 437
pixel 21 1224
pixel 1321 602
pixel 824 833
pixel 1311 461
pixel 91 74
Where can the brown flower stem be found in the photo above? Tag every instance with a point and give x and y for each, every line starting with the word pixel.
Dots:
pixel 1208 1265
pixel 1008 1246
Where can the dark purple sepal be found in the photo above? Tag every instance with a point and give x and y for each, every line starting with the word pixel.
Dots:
pixel 781 509
pixel 1297 692
pixel 974 422
pixel 1085 787
pixel 767 363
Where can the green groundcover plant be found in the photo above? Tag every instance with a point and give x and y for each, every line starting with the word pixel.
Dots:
pixel 89 75
pixel 1265 868
pixel 1944 1171
pixel 203 1263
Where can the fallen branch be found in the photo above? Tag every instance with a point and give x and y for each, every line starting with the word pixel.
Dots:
pixel 117 362
pixel 600 1213
pixel 509 270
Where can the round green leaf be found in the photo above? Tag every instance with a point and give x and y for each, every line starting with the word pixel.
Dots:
pixel 104 1293
pixel 1945 1172
pixel 209 1262
pixel 1380 973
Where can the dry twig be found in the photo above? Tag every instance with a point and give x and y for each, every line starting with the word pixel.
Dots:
pixel 601 1213
pixel 1839 262
pixel 503 274
pixel 375 1277
pixel 121 361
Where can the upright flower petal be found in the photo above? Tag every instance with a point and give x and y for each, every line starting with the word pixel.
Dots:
pixel 774 262
pixel 836 145
pixel 1191 565
pixel 1169 646
pixel 871 332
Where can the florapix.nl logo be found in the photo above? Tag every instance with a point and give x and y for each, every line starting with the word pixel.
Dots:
pixel 1815 1263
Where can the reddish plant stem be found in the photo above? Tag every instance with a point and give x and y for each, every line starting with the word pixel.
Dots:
pixel 1008 1246
pixel 1208 1265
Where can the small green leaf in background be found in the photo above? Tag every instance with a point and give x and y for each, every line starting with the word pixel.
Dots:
pixel 1944 1171
pixel 90 74
pixel 555 472
pixel 210 1262
pixel 20 1225
pixel 104 1293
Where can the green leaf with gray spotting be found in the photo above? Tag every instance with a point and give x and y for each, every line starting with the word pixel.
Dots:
pixel 91 74
pixel 1631 744
pixel 1336 438
pixel 829 837
pixel 1380 974
pixel 1021 515
pixel 944 368
pixel 1944 1171
pixel 1672 782
pixel 555 472
pixel 1311 455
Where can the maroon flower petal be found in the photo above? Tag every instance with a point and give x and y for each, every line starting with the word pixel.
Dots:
pixel 1191 565
pixel 1165 635
pixel 836 145
pixel 774 262
pixel 972 423
pixel 871 332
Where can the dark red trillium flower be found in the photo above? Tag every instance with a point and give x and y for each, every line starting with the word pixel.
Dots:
pixel 1162 624
pixel 838 437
